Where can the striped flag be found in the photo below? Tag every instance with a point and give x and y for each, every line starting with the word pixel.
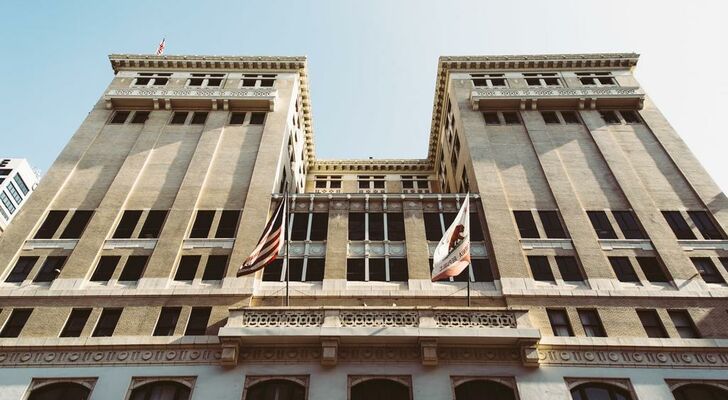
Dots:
pixel 270 242
pixel 452 254
pixel 160 49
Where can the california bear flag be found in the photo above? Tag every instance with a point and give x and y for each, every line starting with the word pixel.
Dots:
pixel 452 254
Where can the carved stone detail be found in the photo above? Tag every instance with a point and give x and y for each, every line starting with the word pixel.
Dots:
pixel 482 319
pixel 676 358
pixel 298 319
pixel 379 318
pixel 75 356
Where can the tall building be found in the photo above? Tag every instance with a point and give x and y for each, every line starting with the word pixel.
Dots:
pixel 17 181
pixel 599 254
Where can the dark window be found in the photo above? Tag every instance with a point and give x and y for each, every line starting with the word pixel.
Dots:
pixel 355 269
pixel 550 117
pixel 128 222
pixel 433 228
pixel 107 322
pixel 630 117
pixel 552 224
pixel 140 117
pixel 21 269
pixel 272 273
pixel 315 269
pixel 601 224
pixel 105 268
pixel 187 268
pixel 652 269
pixel 540 268
pixel 526 224
pixel 133 268
pixel 599 391
pixel 398 270
pixel 481 270
pixel 50 269
pixel 491 118
pixel 395 226
pixel 592 323
pixel 50 225
pixel 257 118
pixel 276 389
pixel 237 118
pixel 77 224
pixel 153 224
pixel 570 117
pixel 683 324
pixel 380 389
pixel 476 230
pixel 623 269
pixel 197 324
pixel 377 270
pixel 569 268
pixel 198 118
pixel 161 390
pixel 119 117
pixel 228 224
pixel 705 225
pixel 610 117
pixel 6 201
pixel 167 321
pixel 678 225
pixel 652 324
pixel 299 227
pixel 319 226
pixel 16 322
pixel 376 226
pixel 215 268
pixel 356 226
pixel 21 183
pixel 75 323
pixel 707 270
pixel 697 391
pixel 628 224
pixel 474 390
pixel 179 118
pixel 511 118
pixel 560 323
pixel 14 192
pixel 61 391
pixel 203 222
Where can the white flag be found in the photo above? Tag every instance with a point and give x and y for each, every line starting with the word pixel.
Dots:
pixel 452 254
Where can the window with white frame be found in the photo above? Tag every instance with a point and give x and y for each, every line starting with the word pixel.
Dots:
pixel 370 182
pixel 596 78
pixel 489 80
pixel 324 183
pixel 415 184
pixel 205 80
pixel 542 79
pixel 152 79
pixel 258 80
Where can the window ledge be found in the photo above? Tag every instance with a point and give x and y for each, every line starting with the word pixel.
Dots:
pixel 212 243
pixel 690 245
pixel 620 244
pixel 530 244
pixel 35 244
pixel 111 244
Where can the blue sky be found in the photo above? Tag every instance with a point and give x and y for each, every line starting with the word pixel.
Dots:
pixel 372 64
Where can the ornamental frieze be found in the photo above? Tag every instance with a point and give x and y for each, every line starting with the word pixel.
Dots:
pixel 634 358
pixel 72 357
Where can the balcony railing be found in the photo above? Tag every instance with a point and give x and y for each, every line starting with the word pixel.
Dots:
pixel 617 96
pixel 167 98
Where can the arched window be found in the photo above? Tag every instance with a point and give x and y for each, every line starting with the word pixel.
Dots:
pixel 599 391
pixel 161 390
pixel 276 389
pixel 61 391
pixel 380 389
pixel 480 389
pixel 697 391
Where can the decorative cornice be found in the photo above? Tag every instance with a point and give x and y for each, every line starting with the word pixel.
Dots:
pixel 381 165
pixel 446 64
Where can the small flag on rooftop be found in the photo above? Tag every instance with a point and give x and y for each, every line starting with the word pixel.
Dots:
pixel 160 49
pixel 270 242
pixel 452 254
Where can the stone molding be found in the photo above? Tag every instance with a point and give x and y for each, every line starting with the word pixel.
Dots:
pixel 61 244
pixel 536 98
pixel 420 166
pixel 674 384
pixel 165 97
pixel 633 357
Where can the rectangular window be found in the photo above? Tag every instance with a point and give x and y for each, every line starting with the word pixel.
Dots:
pixel 179 118
pixel 140 117
pixel 21 184
pixel 14 192
pixel 705 225
pixel 610 117
pixel 206 80
pixel 433 226
pixel 684 324
pixel 198 118
pixel 153 224
pixel 592 323
pixel 258 80
pixel 126 226
pixel 542 79
pixel 237 118
pixel 197 324
pixel 623 269
pixel 570 117
pixel 491 118
pixel 560 322
pixel 652 269
pixel 215 268
pixel 652 324
pixel 107 322
pixel 76 322
pixel 257 118
pixel 274 271
pixel 6 202
pixel 77 224
pixel 370 226
pixel 569 268
pixel 678 225
pixel 489 80
pixel 50 269
pixel 511 118
pixel 134 268
pixel 187 268
pixel 552 225
pixel 51 224
pixel 119 117
pixel 377 269
pixel 627 222
pixel 526 224
pixel 319 228
pixel 228 225
pixel 167 321
pixel 707 270
pixel 596 78
pixel 16 322
pixel 314 269
pixel 357 226
pixel 152 79
pixel 630 117
pixel 601 224
pixel 375 222
pixel 21 269
pixel 550 117
pixel 368 182
pixel 395 226
pixel 540 268
pixel 203 223
pixel 105 268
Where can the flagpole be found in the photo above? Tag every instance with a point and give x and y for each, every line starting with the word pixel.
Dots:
pixel 470 264
pixel 287 234
pixel 468 285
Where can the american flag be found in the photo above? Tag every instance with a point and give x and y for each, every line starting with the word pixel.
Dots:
pixel 270 242
pixel 160 49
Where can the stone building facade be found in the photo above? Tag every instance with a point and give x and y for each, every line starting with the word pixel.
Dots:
pixel 600 255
